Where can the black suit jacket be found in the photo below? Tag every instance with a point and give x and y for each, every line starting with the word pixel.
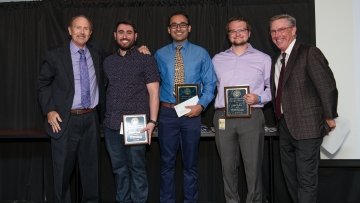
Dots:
pixel 309 92
pixel 56 84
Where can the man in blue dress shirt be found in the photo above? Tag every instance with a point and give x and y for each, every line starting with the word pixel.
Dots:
pixel 184 131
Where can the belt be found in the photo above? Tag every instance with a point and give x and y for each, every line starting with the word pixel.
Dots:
pixel 167 105
pixel 81 111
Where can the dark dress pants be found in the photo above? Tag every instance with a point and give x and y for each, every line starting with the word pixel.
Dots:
pixel 175 132
pixel 300 163
pixel 80 142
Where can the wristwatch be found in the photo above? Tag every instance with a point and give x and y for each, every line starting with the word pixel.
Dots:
pixel 154 122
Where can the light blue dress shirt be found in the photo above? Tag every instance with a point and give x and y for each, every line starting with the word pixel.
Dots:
pixel 198 69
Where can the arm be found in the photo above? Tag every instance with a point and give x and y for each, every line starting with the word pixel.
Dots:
pixel 208 80
pixel 45 80
pixel 324 82
pixel 153 89
pixel 253 99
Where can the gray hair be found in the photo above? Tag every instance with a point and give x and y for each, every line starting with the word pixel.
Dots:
pixel 289 18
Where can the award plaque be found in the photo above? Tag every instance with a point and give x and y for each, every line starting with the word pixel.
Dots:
pixel 184 92
pixel 133 124
pixel 235 104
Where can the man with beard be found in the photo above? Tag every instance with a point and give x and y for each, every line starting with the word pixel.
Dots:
pixel 132 88
pixel 241 64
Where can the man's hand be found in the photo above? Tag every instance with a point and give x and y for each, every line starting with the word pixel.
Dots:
pixel 251 99
pixel 331 123
pixel 53 119
pixel 195 110
pixel 150 129
pixel 144 50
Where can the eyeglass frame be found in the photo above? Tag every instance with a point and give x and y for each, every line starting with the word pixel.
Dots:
pixel 240 31
pixel 182 25
pixel 280 30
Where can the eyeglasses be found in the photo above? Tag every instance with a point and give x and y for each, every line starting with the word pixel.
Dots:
pixel 280 30
pixel 180 25
pixel 239 31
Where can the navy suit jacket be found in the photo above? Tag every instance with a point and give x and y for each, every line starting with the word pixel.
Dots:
pixel 56 84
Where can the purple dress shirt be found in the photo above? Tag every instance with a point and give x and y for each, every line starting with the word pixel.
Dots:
pixel 252 68
pixel 94 90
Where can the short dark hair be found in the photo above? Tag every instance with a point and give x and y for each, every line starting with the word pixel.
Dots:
pixel 238 18
pixel 80 16
pixel 125 22
pixel 289 18
pixel 179 13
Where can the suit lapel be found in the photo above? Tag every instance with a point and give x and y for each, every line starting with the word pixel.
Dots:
pixel 95 58
pixel 272 76
pixel 68 66
pixel 291 62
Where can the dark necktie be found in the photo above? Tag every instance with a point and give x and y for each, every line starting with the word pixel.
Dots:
pixel 84 81
pixel 179 67
pixel 279 88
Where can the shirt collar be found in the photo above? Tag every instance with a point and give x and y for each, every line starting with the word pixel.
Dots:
pixel 184 44
pixel 74 49
pixel 249 49
pixel 290 48
pixel 128 53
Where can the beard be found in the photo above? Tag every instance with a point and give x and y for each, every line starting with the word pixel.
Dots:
pixel 242 43
pixel 126 47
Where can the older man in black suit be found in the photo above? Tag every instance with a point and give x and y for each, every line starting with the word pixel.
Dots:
pixel 305 98
pixel 69 86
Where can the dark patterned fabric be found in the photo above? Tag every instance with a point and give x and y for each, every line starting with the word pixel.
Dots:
pixel 126 89
pixel 309 93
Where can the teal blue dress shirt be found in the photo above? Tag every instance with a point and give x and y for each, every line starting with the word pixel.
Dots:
pixel 198 69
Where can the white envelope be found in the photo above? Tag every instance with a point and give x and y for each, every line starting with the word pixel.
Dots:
pixel 333 142
pixel 180 108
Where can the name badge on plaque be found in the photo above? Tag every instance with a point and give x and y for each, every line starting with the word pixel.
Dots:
pixel 133 124
pixel 184 92
pixel 235 104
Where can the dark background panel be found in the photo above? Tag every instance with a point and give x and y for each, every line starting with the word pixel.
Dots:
pixel 30 28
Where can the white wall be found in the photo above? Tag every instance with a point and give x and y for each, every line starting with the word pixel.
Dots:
pixel 337 35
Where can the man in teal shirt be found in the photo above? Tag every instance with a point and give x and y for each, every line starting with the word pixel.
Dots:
pixel 184 131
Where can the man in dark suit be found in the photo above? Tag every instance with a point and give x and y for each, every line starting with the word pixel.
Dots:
pixel 69 86
pixel 305 98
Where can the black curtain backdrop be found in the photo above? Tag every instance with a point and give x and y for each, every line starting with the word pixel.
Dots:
pixel 30 28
